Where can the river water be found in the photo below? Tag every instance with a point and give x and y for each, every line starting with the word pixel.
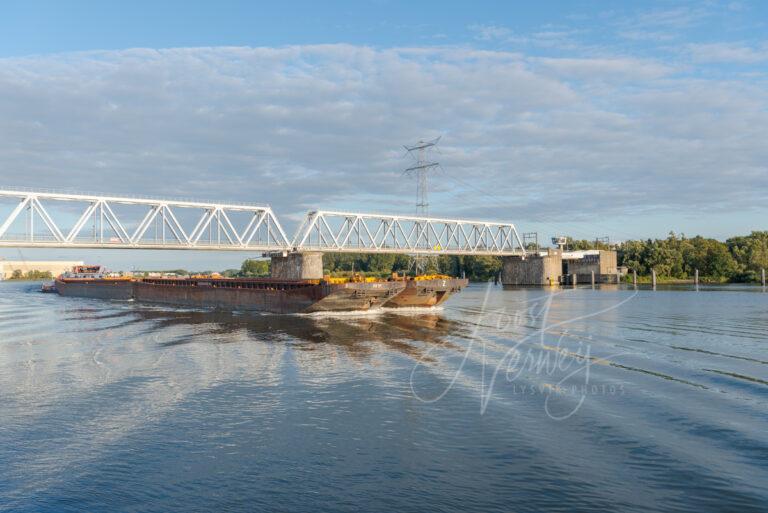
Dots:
pixel 503 400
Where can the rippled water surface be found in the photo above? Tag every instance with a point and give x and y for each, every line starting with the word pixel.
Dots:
pixel 504 400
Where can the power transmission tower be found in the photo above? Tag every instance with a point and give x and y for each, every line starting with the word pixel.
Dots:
pixel 422 168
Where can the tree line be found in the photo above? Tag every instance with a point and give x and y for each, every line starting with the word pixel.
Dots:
pixel 476 268
pixel 738 259
pixel 33 275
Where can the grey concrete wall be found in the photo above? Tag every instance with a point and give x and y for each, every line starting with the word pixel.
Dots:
pixel 602 263
pixel 608 262
pixel 532 270
pixel 586 279
pixel 298 266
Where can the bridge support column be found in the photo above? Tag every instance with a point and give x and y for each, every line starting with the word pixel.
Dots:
pixel 534 269
pixel 297 266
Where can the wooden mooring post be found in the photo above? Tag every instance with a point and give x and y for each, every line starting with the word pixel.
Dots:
pixel 653 278
pixel 634 277
pixel 762 278
pixel 696 278
pixel 593 279
pixel 573 279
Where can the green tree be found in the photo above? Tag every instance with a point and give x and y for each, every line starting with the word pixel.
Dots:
pixel 584 244
pixel 402 263
pixel 253 268
pixel 679 257
pixel 751 254
pixel 449 265
pixel 379 263
pixel 480 267
pixel 38 275
pixel 177 272
pixel 711 257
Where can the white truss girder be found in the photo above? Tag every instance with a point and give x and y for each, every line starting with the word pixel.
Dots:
pixel 330 231
pixel 159 225
pixel 262 232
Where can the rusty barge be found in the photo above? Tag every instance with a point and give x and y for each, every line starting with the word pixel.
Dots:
pixel 271 295
pixel 427 291
pixel 263 295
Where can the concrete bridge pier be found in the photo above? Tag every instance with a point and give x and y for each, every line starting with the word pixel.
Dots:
pixel 533 269
pixel 297 265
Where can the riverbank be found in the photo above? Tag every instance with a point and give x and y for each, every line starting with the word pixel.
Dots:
pixel 660 280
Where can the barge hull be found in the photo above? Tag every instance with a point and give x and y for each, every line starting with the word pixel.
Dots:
pixel 260 300
pixel 96 289
pixel 266 295
pixel 426 293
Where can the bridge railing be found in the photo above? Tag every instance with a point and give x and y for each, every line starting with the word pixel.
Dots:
pixel 332 231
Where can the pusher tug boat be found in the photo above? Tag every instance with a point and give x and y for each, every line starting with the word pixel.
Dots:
pixel 213 291
pixel 94 281
pixel 48 287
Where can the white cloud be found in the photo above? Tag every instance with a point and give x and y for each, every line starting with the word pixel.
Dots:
pixel 490 32
pixel 323 126
pixel 648 35
pixel 728 53
pixel 674 18
pixel 599 68
pixel 660 25
pixel 548 36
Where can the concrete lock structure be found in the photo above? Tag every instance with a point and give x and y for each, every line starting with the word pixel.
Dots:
pixel 542 268
pixel 55 267
pixel 297 265
pixel 553 267
pixel 583 263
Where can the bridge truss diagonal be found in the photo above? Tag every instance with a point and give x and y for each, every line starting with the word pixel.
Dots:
pixel 52 219
pixel 330 231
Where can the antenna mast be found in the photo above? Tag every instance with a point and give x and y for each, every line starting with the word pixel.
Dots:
pixel 421 169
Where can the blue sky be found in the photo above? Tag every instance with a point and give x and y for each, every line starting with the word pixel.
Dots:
pixel 35 27
pixel 44 27
pixel 589 118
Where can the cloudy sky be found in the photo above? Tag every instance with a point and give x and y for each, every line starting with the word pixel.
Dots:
pixel 593 119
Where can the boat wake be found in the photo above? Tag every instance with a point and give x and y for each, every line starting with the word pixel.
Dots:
pixel 346 314
pixel 413 310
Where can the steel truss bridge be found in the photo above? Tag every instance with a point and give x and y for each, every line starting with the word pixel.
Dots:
pixel 371 233
pixel 65 220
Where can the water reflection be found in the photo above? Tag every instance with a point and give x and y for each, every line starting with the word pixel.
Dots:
pixel 358 336
pixel 105 405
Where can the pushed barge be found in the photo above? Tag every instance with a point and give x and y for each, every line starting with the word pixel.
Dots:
pixel 266 294
pixel 258 294
pixel 427 291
